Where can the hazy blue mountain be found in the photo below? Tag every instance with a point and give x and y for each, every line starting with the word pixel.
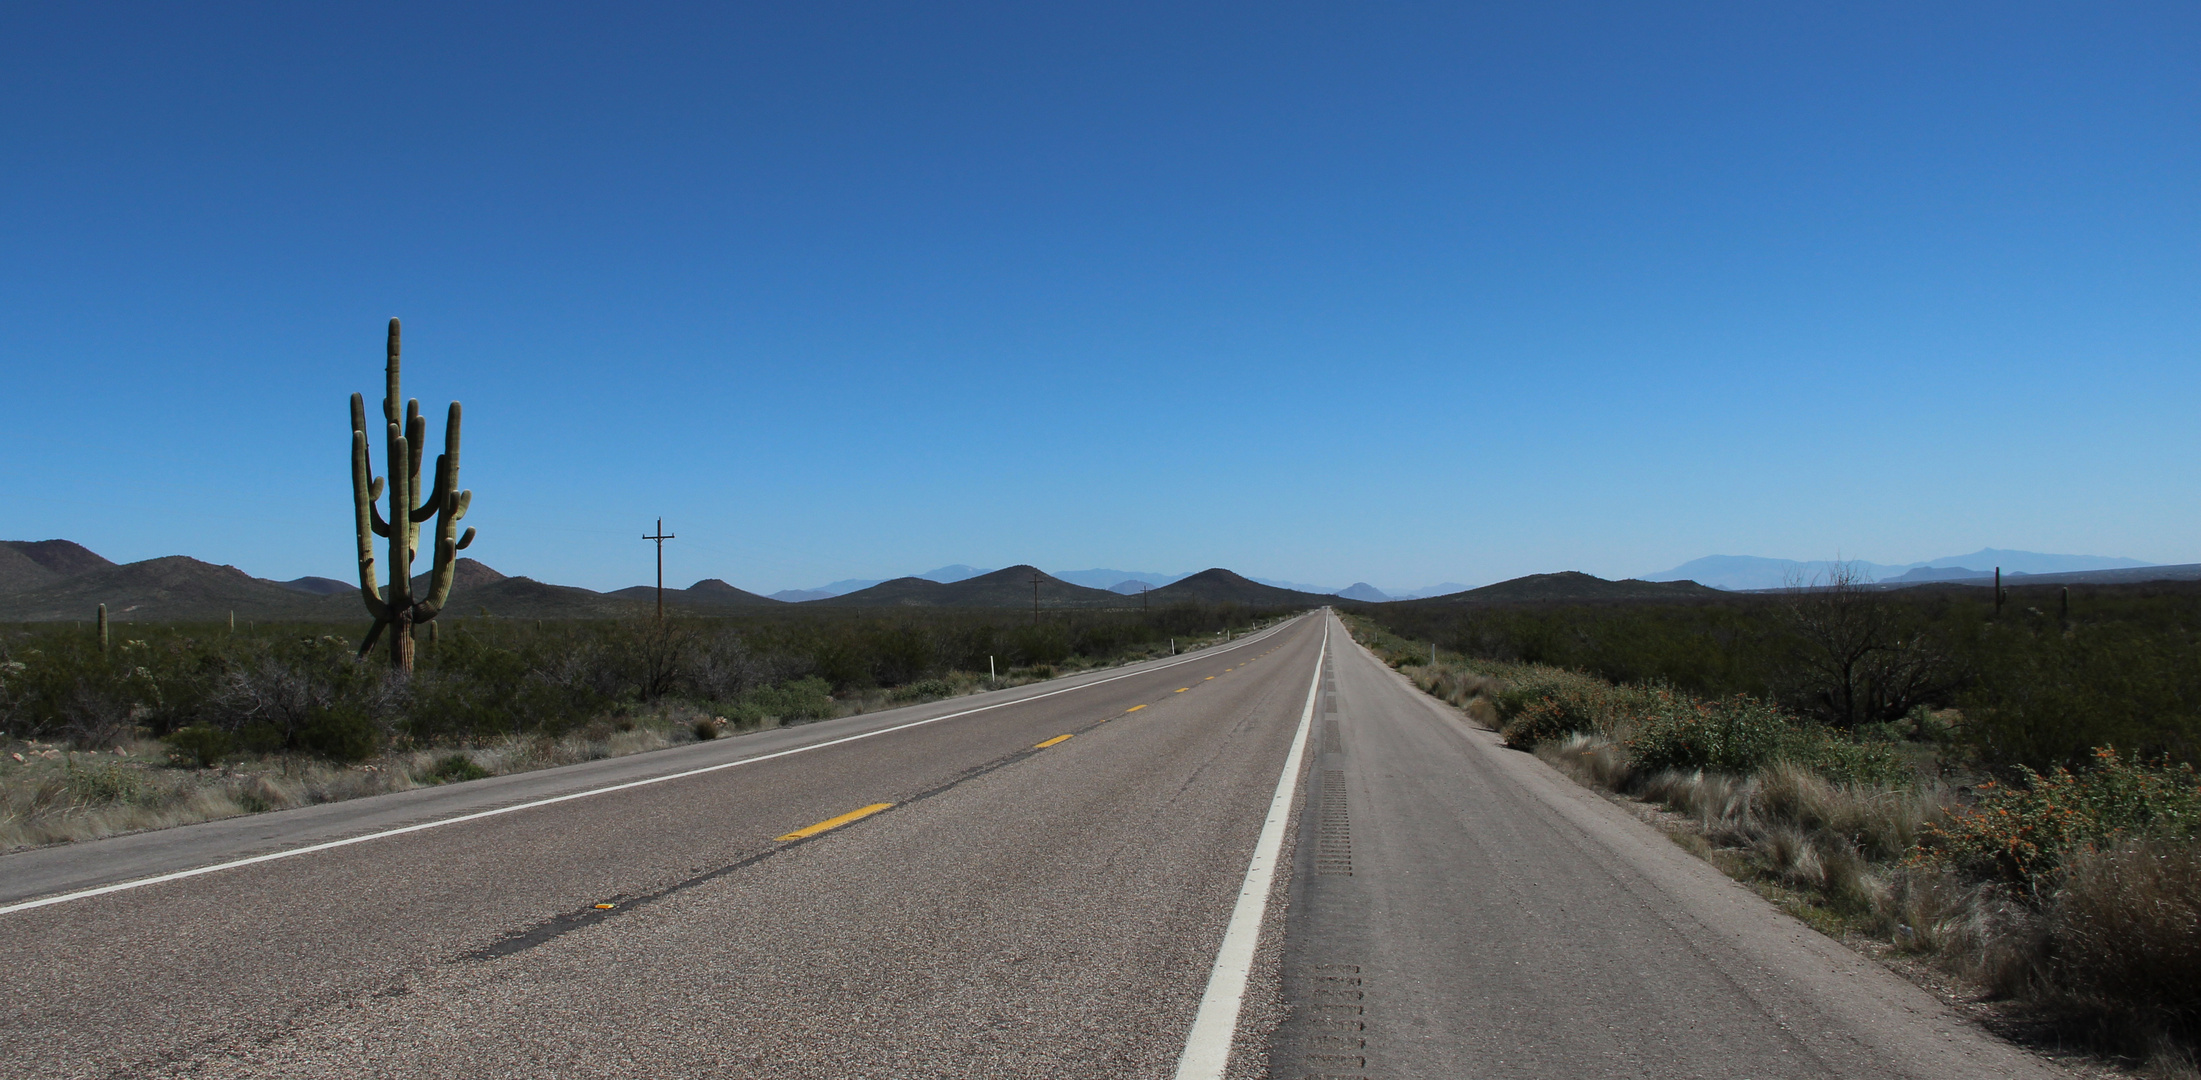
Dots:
pixel 948 575
pixel 1297 586
pixel 1361 590
pixel 797 596
pixel 1442 588
pixel 1132 587
pixel 1754 572
pixel 2033 562
pixel 1944 573
pixel 1109 579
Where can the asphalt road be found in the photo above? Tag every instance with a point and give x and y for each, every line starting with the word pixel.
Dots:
pixel 1449 909
pixel 1018 912
pixel 1461 910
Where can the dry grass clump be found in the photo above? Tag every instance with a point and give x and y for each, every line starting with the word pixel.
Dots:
pixel 52 795
pixel 2125 928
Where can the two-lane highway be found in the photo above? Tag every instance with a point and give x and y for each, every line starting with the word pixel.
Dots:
pixel 1064 880
pixel 1029 886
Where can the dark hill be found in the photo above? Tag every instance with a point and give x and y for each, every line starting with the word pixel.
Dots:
pixel 175 588
pixel 466 576
pixel 1220 586
pixel 317 586
pixel 19 573
pixel 527 598
pixel 1009 588
pixel 477 589
pixel 703 597
pixel 64 557
pixel 1574 586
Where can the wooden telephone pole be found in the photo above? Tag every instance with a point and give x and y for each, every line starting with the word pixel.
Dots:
pixel 660 537
pixel 1035 598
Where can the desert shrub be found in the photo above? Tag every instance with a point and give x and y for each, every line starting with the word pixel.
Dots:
pixel 2023 832
pixel 198 746
pixel 1539 704
pixel 705 729
pixel 455 768
pixel 801 699
pixel 97 785
pixel 1737 735
pixel 925 689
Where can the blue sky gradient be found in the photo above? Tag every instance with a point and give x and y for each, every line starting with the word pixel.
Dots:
pixel 1396 293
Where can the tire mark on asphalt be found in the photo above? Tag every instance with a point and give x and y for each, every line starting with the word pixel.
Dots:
pixel 556 926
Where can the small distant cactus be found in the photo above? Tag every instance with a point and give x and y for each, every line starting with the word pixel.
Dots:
pixel 396 609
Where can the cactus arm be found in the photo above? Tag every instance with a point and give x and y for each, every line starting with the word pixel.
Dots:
pixel 435 499
pixel 466 539
pixel 363 510
pixel 439 585
pixel 390 399
pixel 416 434
pixel 375 522
pixel 400 531
pixel 373 633
pixel 447 509
pixel 459 505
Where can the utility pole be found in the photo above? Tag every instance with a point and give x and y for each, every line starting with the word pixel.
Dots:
pixel 1035 598
pixel 660 537
pixel 1142 600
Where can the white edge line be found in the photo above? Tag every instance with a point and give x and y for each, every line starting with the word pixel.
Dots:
pixel 139 883
pixel 1207 1048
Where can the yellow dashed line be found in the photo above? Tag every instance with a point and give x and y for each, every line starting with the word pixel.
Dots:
pixel 1053 741
pixel 1180 690
pixel 836 822
pixel 1134 708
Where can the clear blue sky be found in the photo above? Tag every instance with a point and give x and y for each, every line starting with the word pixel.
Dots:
pixel 1321 292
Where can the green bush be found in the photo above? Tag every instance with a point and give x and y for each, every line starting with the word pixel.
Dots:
pixel 1737 735
pixel 705 729
pixel 97 785
pixel 198 747
pixel 341 733
pixel 456 768
pixel 801 699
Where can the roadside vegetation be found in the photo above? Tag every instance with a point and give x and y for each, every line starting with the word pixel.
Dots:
pixel 2012 802
pixel 172 724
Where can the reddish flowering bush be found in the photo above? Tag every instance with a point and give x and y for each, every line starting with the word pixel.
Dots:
pixel 2024 833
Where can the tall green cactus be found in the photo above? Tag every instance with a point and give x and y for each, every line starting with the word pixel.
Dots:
pixel 396 609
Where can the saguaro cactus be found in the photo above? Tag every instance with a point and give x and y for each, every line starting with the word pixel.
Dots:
pixel 396 609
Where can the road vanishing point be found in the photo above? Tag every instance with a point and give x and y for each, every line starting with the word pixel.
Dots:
pixel 1269 858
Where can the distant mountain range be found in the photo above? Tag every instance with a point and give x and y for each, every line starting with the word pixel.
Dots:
pixel 58 580
pixel 49 580
pixel 1122 582
pixel 1735 572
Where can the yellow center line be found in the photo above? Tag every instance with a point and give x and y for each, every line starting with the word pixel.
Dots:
pixel 1180 690
pixel 1053 741
pixel 1210 678
pixel 836 822
pixel 1134 708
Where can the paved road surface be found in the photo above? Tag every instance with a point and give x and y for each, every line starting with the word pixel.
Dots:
pixel 1461 910
pixel 1454 911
